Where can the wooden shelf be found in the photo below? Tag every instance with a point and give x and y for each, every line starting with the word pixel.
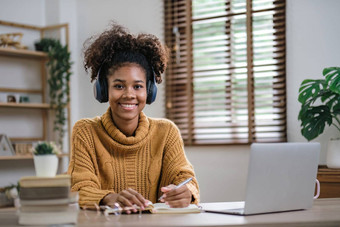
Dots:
pixel 329 182
pixel 8 52
pixel 26 157
pixel 18 90
pixel 16 157
pixel 26 105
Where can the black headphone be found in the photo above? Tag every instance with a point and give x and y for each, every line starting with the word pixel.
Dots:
pixel 101 93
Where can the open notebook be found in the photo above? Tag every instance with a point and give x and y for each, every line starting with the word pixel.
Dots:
pixel 162 208
pixel 158 208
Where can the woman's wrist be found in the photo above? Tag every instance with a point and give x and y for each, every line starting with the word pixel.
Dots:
pixel 109 199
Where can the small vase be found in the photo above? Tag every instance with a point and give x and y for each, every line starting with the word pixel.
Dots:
pixel 45 165
pixel 333 153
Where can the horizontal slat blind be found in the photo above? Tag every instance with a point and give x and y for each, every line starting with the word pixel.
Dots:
pixel 179 82
pixel 269 61
pixel 225 82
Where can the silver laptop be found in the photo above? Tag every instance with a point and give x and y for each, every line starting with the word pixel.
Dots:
pixel 281 177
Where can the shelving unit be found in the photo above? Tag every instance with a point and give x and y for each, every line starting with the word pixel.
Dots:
pixel 42 58
pixel 25 157
pixel 23 53
pixel 26 105
pixel 29 54
pixel 42 107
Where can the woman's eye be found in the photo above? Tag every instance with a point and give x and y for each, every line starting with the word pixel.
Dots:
pixel 118 86
pixel 138 86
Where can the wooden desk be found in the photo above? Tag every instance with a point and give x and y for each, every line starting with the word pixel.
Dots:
pixel 329 182
pixel 325 212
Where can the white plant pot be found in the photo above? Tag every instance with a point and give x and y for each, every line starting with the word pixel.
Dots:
pixel 46 165
pixel 333 153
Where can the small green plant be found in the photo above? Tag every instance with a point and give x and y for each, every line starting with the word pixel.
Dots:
pixel 9 193
pixel 46 148
pixel 9 187
pixel 320 103
pixel 59 65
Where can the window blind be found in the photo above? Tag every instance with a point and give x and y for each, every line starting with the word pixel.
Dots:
pixel 225 82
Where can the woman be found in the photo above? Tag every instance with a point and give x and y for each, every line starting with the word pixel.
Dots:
pixel 124 156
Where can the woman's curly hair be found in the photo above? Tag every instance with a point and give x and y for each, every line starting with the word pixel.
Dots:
pixel 106 51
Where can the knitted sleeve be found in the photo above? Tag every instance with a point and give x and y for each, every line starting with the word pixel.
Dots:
pixel 83 167
pixel 176 167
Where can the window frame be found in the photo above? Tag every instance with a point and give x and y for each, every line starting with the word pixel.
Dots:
pixel 180 75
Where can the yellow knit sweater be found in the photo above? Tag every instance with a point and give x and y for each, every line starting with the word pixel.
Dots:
pixel 104 160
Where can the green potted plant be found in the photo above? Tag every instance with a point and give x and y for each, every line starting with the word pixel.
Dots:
pixel 8 194
pixel 45 158
pixel 320 106
pixel 59 65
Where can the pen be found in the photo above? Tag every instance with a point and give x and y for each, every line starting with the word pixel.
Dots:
pixel 179 185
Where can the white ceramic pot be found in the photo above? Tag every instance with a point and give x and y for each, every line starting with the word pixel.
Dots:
pixel 333 153
pixel 46 165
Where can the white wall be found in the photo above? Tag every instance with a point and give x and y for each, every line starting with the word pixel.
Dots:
pixel 312 44
pixel 93 18
pixel 18 11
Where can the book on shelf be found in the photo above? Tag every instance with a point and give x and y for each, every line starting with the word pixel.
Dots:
pixel 48 215
pixel 62 180
pixel 47 201
pixel 45 188
pixel 31 193
pixel 46 208
pixel 72 198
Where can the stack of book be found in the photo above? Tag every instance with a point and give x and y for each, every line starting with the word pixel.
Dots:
pixel 47 201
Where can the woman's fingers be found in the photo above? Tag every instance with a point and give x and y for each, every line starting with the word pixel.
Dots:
pixel 129 198
pixel 172 191
pixel 178 197
pixel 166 190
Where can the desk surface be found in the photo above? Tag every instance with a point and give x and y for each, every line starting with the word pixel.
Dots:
pixel 325 212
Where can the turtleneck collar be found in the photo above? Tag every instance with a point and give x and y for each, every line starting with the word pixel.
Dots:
pixel 141 131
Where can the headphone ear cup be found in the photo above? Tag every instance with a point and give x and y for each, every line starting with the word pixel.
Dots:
pixel 97 91
pixel 151 90
pixel 100 89
pixel 103 86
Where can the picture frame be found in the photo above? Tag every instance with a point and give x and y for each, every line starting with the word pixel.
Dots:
pixel 6 148
pixel 11 99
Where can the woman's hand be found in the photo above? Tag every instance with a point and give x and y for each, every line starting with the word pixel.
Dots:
pixel 127 199
pixel 179 197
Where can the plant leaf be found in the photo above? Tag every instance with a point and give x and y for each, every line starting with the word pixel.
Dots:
pixel 332 76
pixel 309 90
pixel 58 66
pixel 313 120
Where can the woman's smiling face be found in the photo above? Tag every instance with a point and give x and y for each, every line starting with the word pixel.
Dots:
pixel 127 92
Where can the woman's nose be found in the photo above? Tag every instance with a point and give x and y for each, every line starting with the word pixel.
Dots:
pixel 129 93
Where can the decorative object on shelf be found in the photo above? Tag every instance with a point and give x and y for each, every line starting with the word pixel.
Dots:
pixel 22 148
pixel 6 148
pixel 45 159
pixel 12 40
pixel 24 99
pixel 320 105
pixel 11 98
pixel 8 194
pixel 59 66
